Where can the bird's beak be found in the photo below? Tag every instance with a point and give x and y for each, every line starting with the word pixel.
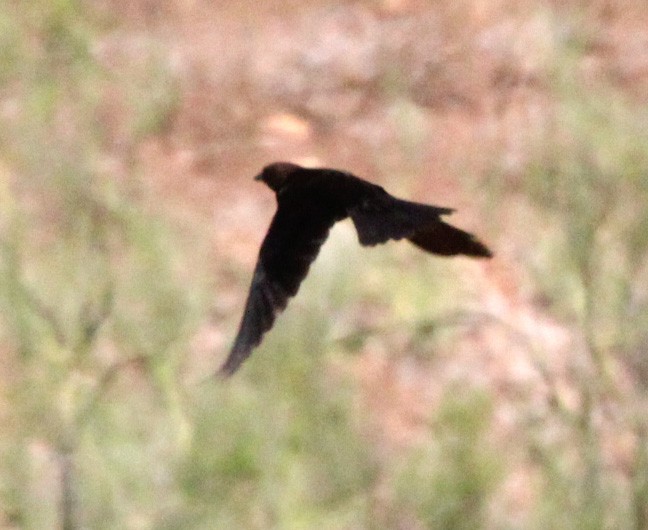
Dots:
pixel 259 176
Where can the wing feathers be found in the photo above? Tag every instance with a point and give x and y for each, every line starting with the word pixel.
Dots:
pixel 310 201
pixel 276 279
pixel 382 218
pixel 265 300
pixel 446 240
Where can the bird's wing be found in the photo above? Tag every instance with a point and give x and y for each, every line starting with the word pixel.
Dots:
pixel 446 240
pixel 293 241
pixel 380 217
pixel 265 300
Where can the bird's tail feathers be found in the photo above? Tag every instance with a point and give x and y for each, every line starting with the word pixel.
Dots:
pixel 380 221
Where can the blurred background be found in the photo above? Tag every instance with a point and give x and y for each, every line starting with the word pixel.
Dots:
pixel 398 390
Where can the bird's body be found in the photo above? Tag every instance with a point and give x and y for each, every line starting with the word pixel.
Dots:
pixel 309 203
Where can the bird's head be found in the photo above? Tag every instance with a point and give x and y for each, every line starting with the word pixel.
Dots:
pixel 275 175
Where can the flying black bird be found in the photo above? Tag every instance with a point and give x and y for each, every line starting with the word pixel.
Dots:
pixel 310 202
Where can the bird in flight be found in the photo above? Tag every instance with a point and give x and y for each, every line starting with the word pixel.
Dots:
pixel 309 202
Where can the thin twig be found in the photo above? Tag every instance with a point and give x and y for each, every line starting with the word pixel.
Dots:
pixel 68 497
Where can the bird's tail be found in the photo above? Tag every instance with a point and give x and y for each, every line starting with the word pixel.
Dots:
pixel 388 218
pixel 446 240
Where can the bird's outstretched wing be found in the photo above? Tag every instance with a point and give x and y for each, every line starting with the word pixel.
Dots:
pixel 310 201
pixel 381 217
pixel 266 299
pixel 446 240
pixel 292 243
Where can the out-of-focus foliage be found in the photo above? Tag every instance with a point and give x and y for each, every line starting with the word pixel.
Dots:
pixel 97 294
pixel 448 483
pixel 587 187
pixel 104 287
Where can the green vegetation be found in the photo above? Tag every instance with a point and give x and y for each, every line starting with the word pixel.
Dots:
pixel 103 289
pixel 587 186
